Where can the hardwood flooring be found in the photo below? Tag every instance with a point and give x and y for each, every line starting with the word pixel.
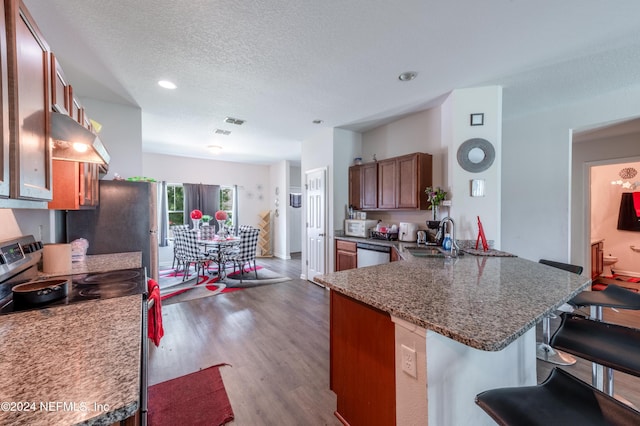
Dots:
pixel 275 339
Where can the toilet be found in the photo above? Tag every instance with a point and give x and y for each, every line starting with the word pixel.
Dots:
pixel 608 262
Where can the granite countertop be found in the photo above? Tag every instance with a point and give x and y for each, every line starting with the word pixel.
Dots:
pixel 74 364
pixel 483 302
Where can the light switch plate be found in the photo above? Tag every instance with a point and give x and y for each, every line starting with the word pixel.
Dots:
pixel 477 187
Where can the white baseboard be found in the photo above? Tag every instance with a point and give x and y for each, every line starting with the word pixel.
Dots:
pixel 629 273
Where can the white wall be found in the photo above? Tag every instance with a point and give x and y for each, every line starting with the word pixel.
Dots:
pixel 605 206
pixel 279 177
pixel 465 209
pixel 252 180
pixel 347 145
pixel 540 218
pixel 121 134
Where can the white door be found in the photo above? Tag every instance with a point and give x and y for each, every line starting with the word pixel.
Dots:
pixel 316 222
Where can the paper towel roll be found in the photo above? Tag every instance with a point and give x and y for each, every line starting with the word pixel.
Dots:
pixel 56 259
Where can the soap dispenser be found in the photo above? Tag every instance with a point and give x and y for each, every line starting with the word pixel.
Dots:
pixel 446 243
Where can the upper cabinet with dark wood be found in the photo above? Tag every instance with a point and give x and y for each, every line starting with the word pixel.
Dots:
pixel 5 188
pixel 29 105
pixel 59 88
pixel 396 183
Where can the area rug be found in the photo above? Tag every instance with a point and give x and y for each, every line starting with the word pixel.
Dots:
pixel 195 399
pixel 174 290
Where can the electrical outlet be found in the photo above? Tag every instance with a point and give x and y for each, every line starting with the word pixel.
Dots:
pixel 409 361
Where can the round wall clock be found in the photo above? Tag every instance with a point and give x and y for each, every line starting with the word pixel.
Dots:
pixel 476 155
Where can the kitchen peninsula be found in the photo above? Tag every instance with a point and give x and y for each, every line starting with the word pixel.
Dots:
pixel 437 331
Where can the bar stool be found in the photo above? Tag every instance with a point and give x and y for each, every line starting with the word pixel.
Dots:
pixel 544 351
pixel 612 296
pixel 564 399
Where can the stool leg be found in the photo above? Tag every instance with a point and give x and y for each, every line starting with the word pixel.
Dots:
pixel 545 352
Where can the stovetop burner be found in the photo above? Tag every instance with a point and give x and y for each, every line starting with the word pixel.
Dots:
pixel 107 290
pixel 109 277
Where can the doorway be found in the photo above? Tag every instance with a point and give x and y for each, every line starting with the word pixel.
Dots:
pixel 316 217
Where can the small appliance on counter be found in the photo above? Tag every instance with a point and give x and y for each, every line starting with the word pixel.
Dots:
pixel 407 231
pixel 358 227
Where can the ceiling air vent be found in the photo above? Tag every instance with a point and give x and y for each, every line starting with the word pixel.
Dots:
pixel 222 132
pixel 235 121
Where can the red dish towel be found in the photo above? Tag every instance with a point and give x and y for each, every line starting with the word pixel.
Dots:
pixel 155 313
pixel 636 203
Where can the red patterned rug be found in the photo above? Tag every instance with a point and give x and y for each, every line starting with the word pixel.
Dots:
pixel 195 399
pixel 174 290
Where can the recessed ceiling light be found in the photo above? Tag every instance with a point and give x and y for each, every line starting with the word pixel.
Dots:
pixel 215 149
pixel 407 76
pixel 318 121
pixel 166 84
pixel 235 121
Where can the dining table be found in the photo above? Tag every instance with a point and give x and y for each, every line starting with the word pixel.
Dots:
pixel 218 248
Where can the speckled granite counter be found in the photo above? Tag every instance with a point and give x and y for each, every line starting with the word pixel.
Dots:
pixel 74 364
pixel 70 364
pixel 483 302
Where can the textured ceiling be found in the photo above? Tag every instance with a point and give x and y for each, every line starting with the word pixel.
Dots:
pixel 280 64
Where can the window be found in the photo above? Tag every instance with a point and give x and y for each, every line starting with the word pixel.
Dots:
pixel 175 203
pixel 226 202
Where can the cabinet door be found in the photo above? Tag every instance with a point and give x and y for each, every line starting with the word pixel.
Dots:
pixel 4 109
pixel 29 106
pixel 59 92
pixel 355 194
pixel 408 191
pixel 387 184
pixel 89 184
pixel 369 185
pixel 346 255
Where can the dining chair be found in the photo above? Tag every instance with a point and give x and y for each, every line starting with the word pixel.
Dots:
pixel 174 230
pixel 246 251
pixel 188 252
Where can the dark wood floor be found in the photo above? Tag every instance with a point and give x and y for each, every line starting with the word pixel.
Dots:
pixel 275 339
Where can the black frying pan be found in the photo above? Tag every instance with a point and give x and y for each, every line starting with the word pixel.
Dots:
pixel 39 292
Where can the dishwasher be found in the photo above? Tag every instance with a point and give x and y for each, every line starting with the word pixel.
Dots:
pixel 372 254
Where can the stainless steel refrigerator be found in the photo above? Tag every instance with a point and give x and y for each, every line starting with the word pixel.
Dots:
pixel 126 220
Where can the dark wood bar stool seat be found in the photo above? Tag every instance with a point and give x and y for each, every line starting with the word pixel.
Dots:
pixel 560 400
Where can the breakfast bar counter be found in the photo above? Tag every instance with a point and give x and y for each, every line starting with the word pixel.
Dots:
pixel 458 326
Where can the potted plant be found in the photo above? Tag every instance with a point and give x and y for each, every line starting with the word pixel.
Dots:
pixel 435 196
pixel 205 219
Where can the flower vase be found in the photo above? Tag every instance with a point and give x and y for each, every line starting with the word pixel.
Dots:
pixel 196 224
pixel 221 230
pixel 434 211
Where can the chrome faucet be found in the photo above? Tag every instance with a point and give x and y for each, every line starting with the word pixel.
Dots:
pixel 454 245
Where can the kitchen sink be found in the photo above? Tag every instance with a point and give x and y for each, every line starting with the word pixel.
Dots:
pixel 428 251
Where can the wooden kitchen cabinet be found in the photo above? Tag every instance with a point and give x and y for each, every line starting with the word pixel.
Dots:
pixel 396 183
pixel 394 256
pixel 363 186
pixel 29 105
pixel 59 88
pixel 387 184
pixel 597 259
pixel 5 188
pixel 346 255
pixel 362 362
pixel 75 185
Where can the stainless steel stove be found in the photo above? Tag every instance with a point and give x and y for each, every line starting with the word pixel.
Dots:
pixel 19 259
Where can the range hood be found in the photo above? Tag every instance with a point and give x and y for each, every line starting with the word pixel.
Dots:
pixel 72 142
